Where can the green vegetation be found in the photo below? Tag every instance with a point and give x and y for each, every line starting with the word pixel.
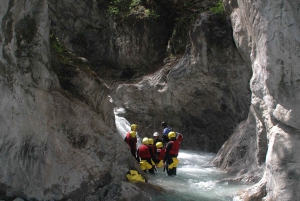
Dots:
pixel 186 14
pixel 66 58
pixel 218 8
pixel 123 9
pixel 62 55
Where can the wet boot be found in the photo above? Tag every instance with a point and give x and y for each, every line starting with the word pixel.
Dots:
pixel 169 171
pixel 151 170
pixel 174 170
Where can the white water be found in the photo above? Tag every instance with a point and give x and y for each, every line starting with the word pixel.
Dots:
pixel 123 126
pixel 196 179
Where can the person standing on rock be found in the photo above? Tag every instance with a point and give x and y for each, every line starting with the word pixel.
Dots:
pixel 172 150
pixel 131 140
pixel 165 132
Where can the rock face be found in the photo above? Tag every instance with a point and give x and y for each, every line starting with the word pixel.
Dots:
pixel 52 146
pixel 204 95
pixel 267 35
pixel 58 138
pixel 87 29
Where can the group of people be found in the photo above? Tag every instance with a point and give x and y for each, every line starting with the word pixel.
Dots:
pixel 155 152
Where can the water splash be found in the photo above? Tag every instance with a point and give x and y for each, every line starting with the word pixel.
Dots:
pixel 123 126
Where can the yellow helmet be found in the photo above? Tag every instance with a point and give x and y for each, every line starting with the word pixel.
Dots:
pixel 133 127
pixel 159 145
pixel 132 134
pixel 171 134
pixel 151 141
pixel 145 141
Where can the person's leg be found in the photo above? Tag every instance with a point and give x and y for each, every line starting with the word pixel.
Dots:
pixel 169 171
pixel 174 170
pixel 151 170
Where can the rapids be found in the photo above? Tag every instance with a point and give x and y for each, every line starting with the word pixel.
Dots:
pixel 197 178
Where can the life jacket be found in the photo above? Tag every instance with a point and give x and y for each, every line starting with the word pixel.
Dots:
pixel 127 140
pixel 144 152
pixel 161 152
pixel 175 147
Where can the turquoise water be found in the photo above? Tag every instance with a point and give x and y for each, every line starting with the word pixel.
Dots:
pixel 196 179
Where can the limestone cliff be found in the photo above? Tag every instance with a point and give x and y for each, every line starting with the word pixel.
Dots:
pixel 89 30
pixel 52 145
pixel 58 136
pixel 267 35
pixel 204 95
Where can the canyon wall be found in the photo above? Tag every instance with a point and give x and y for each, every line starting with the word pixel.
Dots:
pixel 267 35
pixel 53 145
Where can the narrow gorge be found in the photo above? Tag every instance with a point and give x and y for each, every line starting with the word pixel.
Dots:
pixel 224 73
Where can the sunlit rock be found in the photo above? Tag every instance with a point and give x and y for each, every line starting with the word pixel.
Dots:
pixel 203 95
pixel 52 145
pixel 267 34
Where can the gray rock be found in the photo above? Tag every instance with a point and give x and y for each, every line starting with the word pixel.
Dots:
pixel 268 37
pixel 203 95
pixel 18 199
pixel 53 146
pixel 88 29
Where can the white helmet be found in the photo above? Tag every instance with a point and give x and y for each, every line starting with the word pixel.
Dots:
pixel 155 134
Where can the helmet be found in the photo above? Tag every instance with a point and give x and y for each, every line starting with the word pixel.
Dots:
pixel 155 134
pixel 145 141
pixel 159 145
pixel 171 134
pixel 150 141
pixel 163 124
pixel 132 134
pixel 133 127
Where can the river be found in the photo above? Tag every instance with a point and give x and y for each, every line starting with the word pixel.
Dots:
pixel 197 178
